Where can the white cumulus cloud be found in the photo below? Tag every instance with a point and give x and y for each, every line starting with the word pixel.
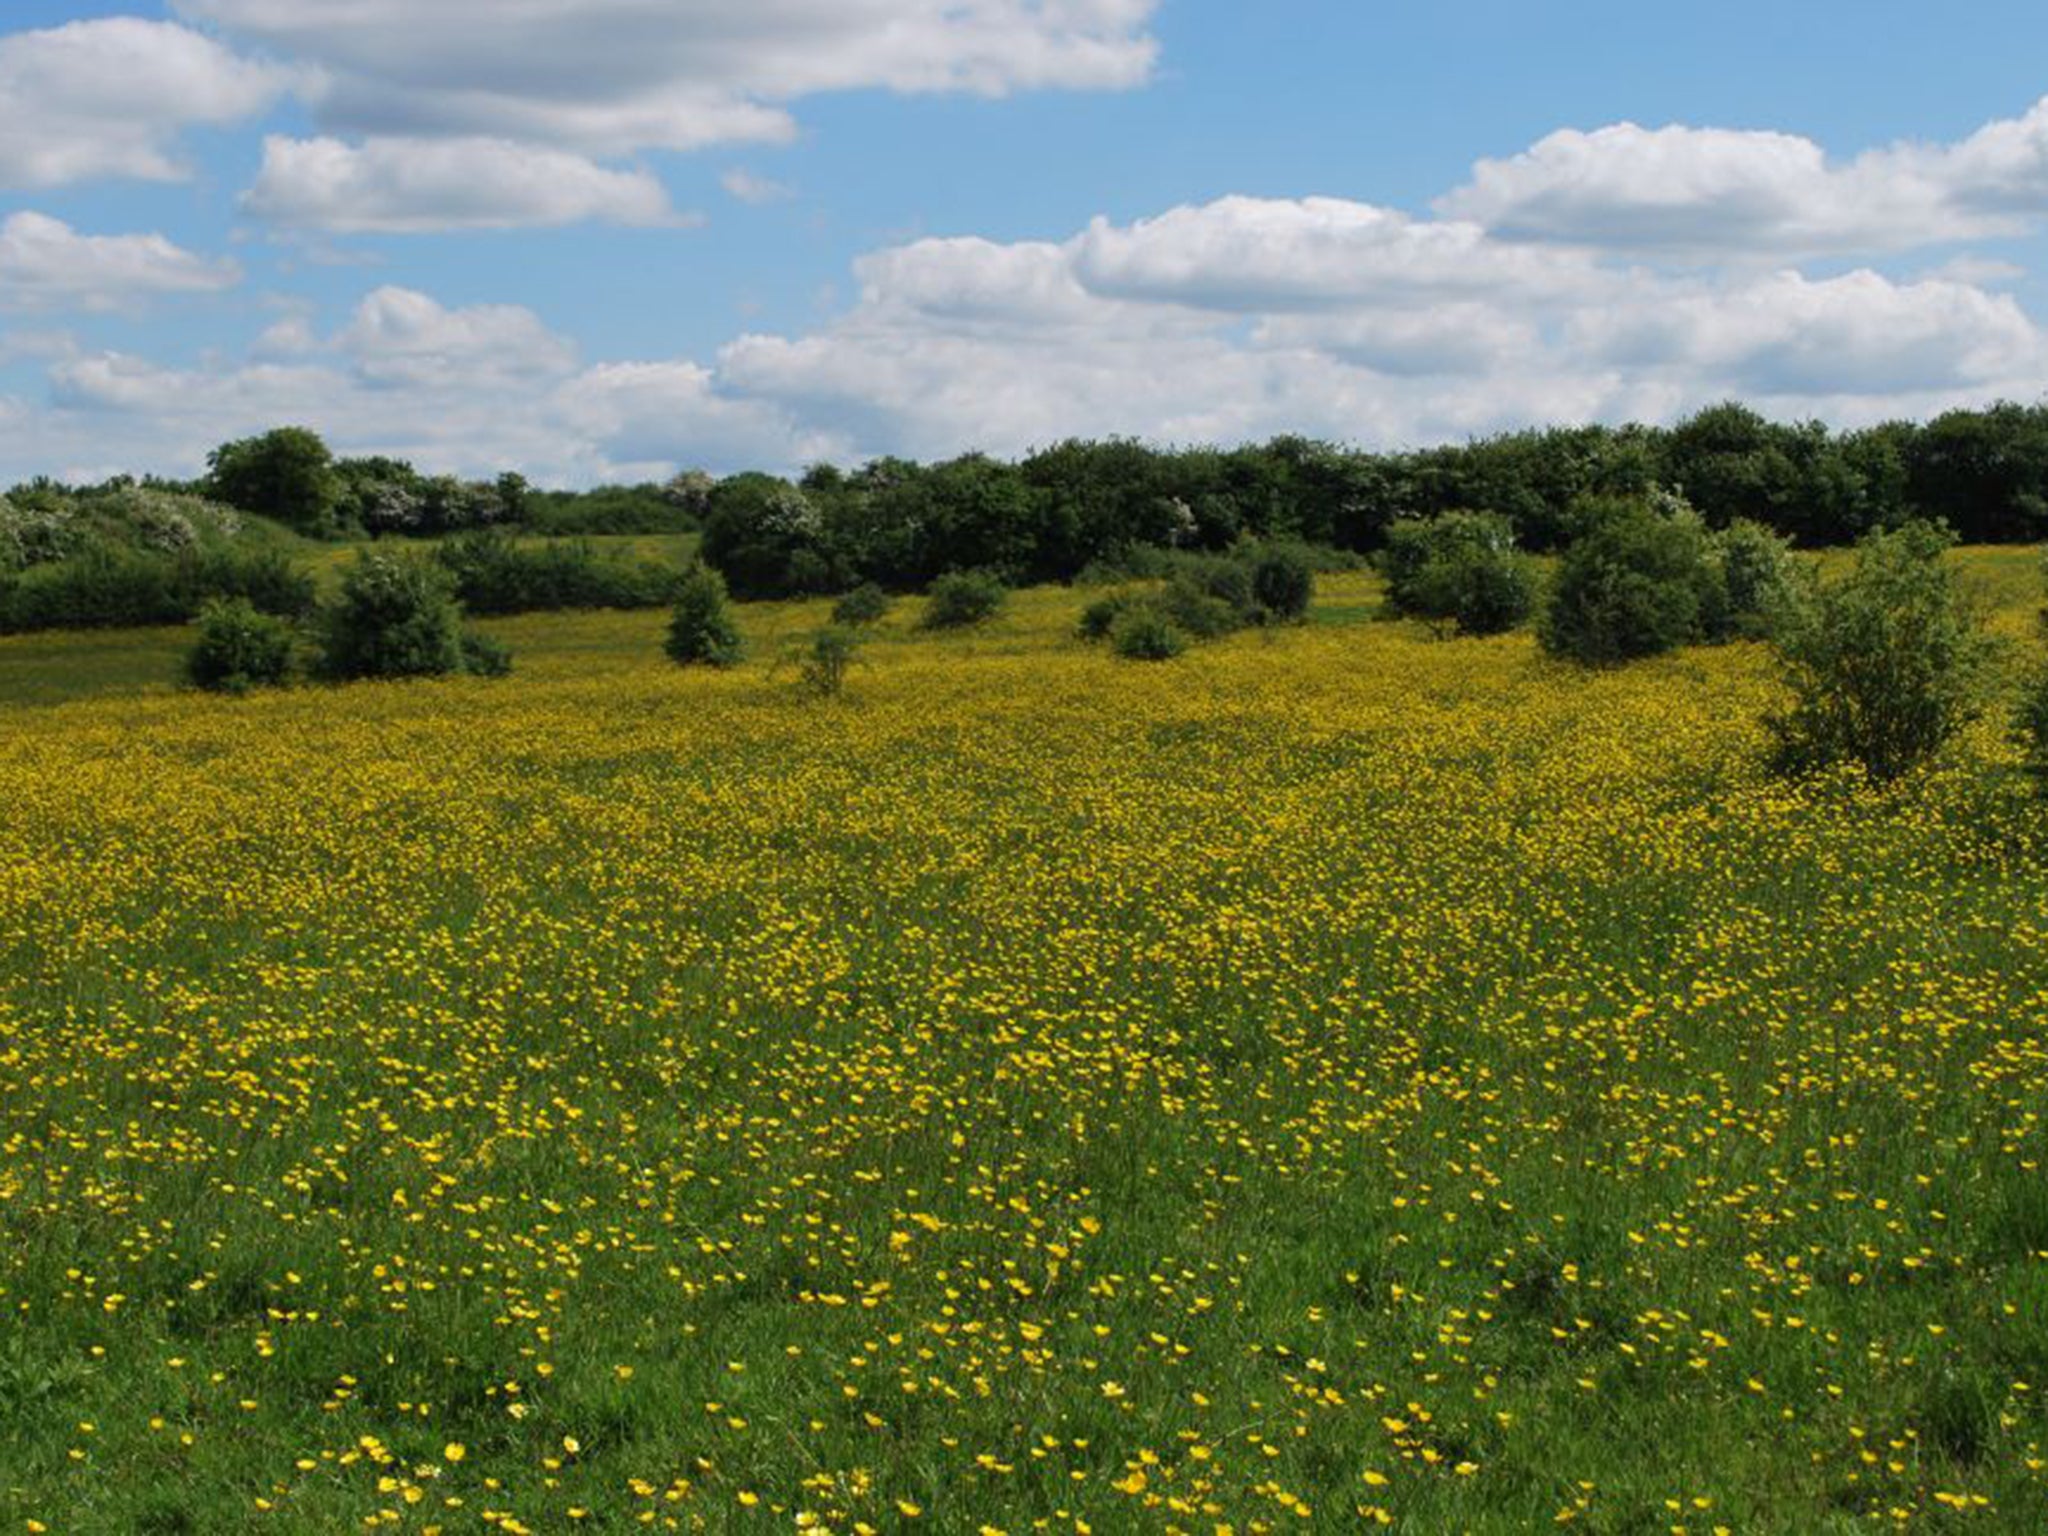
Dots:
pixel 1721 194
pixel 46 264
pixel 612 76
pixel 412 185
pixel 109 98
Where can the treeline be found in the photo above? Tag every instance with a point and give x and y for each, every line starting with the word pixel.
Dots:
pixel 1050 516
pixel 1055 514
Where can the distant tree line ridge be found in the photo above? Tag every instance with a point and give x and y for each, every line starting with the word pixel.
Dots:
pixel 1054 513
pixel 1051 515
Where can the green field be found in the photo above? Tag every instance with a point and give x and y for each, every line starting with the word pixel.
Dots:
pixel 1337 1080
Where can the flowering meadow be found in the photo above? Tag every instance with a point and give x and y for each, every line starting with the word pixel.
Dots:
pixel 1337 1080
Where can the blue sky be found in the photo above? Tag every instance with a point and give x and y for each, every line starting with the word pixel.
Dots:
pixel 618 237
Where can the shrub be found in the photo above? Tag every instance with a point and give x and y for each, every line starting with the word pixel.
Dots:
pixel 1637 582
pixel 1143 633
pixel 865 604
pixel 1226 579
pixel 1100 616
pixel 1756 581
pixel 1886 664
pixel 1282 583
pixel 485 655
pixel 1460 569
pixel 495 574
pixel 106 586
pixel 2033 726
pixel 100 587
pixel 266 577
pixel 32 535
pixel 700 629
pixel 962 599
pixel 239 648
pixel 823 666
pixel 614 509
pixel 394 617
pixel 1190 601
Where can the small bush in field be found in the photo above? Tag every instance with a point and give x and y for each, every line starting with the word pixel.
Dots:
pixel 700 629
pixel 962 599
pixel 1282 584
pixel 1638 582
pixel 1460 570
pixel 485 655
pixel 1142 632
pixel 394 617
pixel 238 648
pixel 1758 583
pixel 865 604
pixel 824 663
pixel 1885 664
pixel 1099 616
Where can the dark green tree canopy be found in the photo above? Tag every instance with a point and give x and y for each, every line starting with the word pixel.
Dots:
pixel 286 474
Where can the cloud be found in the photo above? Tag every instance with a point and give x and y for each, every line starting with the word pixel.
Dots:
pixel 1217 322
pixel 1720 194
pixel 46 264
pixel 471 389
pixel 750 188
pixel 608 77
pixel 109 98
pixel 1246 253
pixel 399 337
pixel 399 186
pixel 1247 317
pixel 1788 335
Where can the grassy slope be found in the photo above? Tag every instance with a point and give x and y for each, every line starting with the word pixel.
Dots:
pixel 1337 1075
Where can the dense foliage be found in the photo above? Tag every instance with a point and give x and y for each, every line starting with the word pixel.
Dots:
pixel 1057 512
pixel 397 616
pixel 239 647
pixel 1458 570
pixel 962 599
pixel 1885 664
pixel 1641 580
pixel 105 586
pixel 700 627
pixel 495 574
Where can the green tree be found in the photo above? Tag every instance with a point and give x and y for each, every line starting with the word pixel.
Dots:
pixel 1886 664
pixel 865 604
pixel 1143 632
pixel 395 616
pixel 700 629
pixel 1282 584
pixel 1756 581
pixel 962 599
pixel 286 474
pixel 1639 581
pixel 1459 569
pixel 238 648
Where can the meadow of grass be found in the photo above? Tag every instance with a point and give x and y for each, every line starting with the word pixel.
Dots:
pixel 1337 1079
